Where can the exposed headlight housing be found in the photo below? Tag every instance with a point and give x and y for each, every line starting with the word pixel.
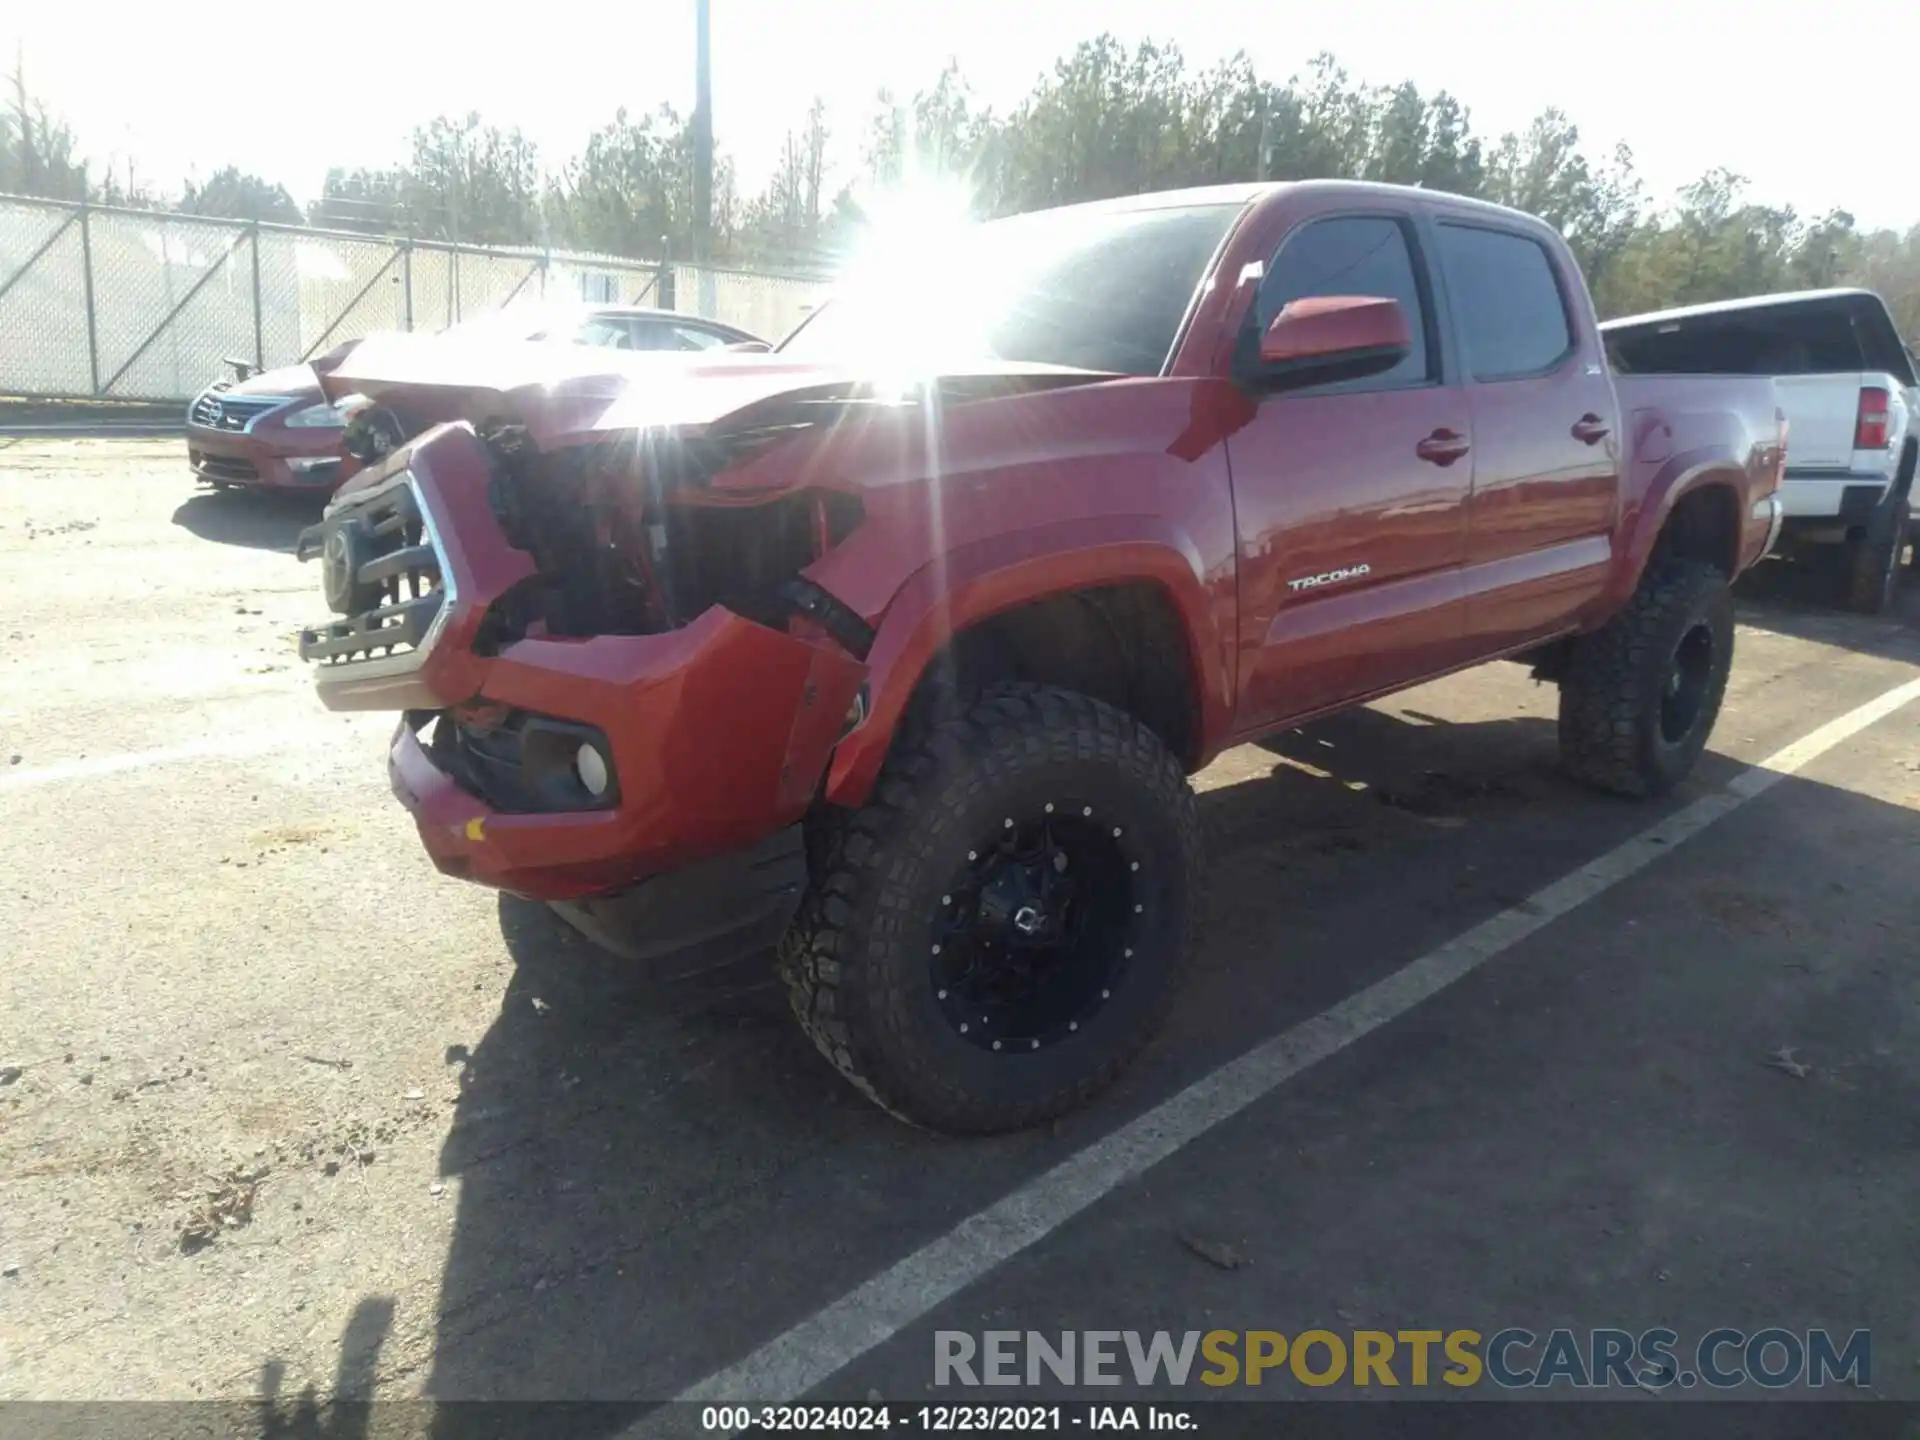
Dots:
pixel 316 417
pixel 373 431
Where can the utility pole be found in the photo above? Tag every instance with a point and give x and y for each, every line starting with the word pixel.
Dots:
pixel 702 134
pixel 1265 158
pixel 27 156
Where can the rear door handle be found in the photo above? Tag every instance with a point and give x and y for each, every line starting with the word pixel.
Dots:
pixel 1442 447
pixel 1590 429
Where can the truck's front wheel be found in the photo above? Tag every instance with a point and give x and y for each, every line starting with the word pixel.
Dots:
pixel 990 940
pixel 1640 695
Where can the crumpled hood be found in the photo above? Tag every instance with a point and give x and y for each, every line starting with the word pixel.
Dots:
pixel 568 394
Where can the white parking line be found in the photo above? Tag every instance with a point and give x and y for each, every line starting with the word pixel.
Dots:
pixel 792 1364
pixel 224 746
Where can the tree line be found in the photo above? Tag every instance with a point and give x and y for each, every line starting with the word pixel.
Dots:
pixel 1108 119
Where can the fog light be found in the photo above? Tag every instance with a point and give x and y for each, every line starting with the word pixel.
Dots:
pixel 591 766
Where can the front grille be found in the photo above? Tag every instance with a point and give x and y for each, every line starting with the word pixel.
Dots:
pixel 382 569
pixel 215 411
pixel 205 410
pixel 224 467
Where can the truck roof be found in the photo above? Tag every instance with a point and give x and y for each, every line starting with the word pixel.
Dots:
pixel 1246 192
pixel 1882 348
pixel 1744 302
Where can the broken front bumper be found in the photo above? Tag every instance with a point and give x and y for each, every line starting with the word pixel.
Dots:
pixel 718 735
pixel 305 461
pixel 714 735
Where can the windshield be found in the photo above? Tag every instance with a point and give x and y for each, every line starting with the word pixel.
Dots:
pixel 1096 290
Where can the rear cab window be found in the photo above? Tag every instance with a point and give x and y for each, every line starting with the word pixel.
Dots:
pixel 1350 255
pixel 1507 300
pixel 1832 335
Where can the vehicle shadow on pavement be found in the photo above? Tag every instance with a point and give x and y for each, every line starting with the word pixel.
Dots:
pixel 634 1150
pixel 258 522
pixel 1804 598
pixel 654 1172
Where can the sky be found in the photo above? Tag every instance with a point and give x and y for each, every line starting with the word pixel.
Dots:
pixel 1813 104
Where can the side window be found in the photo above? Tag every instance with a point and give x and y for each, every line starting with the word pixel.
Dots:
pixel 1506 300
pixel 686 337
pixel 1349 255
pixel 607 331
pixel 665 335
pixel 649 335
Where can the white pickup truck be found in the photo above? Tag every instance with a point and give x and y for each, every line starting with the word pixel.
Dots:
pixel 1847 385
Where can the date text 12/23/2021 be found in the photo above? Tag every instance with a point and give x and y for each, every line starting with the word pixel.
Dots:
pixel 944 1419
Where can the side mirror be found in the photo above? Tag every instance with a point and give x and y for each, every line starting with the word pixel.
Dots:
pixel 1333 337
pixel 242 369
pixel 748 347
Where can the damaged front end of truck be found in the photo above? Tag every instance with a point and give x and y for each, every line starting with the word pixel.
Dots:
pixel 584 592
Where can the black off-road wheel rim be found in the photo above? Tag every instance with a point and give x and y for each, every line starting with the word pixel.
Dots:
pixel 1689 677
pixel 1034 933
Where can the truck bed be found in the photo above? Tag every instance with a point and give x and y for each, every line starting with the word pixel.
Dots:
pixel 1698 410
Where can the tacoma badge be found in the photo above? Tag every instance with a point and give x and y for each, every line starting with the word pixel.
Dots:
pixel 1329 577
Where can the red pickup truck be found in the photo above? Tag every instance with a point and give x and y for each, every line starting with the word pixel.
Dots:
pixel 899 643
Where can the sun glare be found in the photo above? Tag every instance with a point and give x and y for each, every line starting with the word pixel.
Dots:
pixel 914 242
pixel 922 214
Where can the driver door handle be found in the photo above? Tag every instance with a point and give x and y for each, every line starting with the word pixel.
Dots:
pixel 1442 447
pixel 1590 429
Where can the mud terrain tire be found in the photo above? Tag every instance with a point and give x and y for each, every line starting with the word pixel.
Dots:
pixel 1639 696
pixel 1042 841
pixel 1873 565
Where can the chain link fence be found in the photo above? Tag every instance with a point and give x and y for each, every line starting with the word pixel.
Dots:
pixel 762 304
pixel 98 303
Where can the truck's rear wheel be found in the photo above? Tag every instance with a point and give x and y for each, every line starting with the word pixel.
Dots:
pixel 1873 565
pixel 999 931
pixel 1639 696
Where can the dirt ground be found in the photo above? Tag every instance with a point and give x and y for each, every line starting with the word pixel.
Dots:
pixel 282 1108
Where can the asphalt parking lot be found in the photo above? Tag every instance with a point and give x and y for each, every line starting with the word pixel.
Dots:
pixel 285 1109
